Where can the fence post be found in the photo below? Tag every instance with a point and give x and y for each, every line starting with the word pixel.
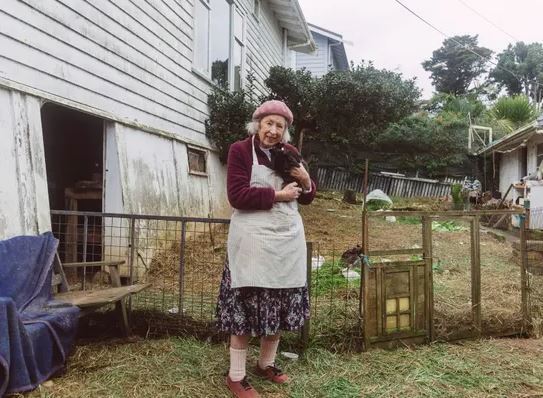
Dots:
pixel 524 287
pixel 428 275
pixel 182 266
pixel 476 275
pixel 307 324
pixel 132 249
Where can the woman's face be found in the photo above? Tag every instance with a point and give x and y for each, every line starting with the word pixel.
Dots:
pixel 271 130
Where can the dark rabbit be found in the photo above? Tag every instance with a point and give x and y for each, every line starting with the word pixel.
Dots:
pixel 283 160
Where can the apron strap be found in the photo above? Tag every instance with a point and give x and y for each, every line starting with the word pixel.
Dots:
pixel 255 158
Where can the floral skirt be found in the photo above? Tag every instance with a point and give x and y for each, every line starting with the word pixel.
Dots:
pixel 259 311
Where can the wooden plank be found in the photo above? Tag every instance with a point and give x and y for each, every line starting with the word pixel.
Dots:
pixel 428 276
pixel 365 299
pixel 307 325
pixel 524 287
pixel 96 298
pixel 446 213
pixel 476 275
pixel 94 264
pixel 393 252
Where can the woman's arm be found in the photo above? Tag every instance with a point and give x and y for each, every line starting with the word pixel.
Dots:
pixel 240 194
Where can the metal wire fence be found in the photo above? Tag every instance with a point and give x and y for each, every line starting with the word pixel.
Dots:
pixel 183 259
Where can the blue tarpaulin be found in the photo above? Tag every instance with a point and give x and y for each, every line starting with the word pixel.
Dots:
pixel 36 335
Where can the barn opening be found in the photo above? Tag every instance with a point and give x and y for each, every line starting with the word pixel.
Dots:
pixel 74 147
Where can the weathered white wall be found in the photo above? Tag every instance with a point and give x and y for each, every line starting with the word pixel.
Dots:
pixel 318 62
pixel 510 171
pixel 131 60
pixel 153 175
pixel 24 201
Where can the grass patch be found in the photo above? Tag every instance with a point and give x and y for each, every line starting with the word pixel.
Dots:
pixel 409 220
pixel 178 367
pixel 329 278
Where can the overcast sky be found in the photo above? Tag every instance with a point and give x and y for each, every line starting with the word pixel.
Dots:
pixel 386 33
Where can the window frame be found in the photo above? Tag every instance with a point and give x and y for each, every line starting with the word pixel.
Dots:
pixel 200 151
pixel 232 40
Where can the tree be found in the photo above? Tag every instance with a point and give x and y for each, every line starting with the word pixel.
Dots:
pixel 229 111
pixel 511 113
pixel 354 107
pixel 454 67
pixel 344 109
pixel 427 144
pixel 520 70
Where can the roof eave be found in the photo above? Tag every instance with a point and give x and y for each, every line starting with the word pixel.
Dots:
pixel 291 18
pixel 513 139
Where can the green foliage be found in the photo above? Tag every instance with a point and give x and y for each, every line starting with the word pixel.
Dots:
pixel 409 220
pixel 427 144
pixel 526 63
pixel 376 204
pixel 345 109
pixel 447 226
pixel 229 112
pixel 454 68
pixel 354 107
pixel 456 193
pixel 328 278
pixel 510 113
pixel 462 105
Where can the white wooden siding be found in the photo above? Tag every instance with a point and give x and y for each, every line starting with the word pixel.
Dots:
pixel 317 63
pixel 131 60
pixel 130 56
pixel 24 201
pixel 509 172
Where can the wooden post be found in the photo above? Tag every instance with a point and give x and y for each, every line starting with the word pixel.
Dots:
pixel 476 275
pixel 523 275
pixel 365 212
pixel 428 275
pixel 364 297
pixel 307 325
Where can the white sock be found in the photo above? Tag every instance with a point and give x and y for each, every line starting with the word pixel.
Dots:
pixel 268 350
pixel 237 364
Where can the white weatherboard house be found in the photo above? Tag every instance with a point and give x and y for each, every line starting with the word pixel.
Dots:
pixel 112 94
pixel 329 55
pixel 515 156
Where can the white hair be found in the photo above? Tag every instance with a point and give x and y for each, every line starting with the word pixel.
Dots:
pixel 254 125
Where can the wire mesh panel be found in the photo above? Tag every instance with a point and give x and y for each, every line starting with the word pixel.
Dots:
pixel 335 278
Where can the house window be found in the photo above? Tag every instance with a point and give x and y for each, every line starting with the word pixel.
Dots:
pixel 238 50
pixel 219 45
pixel 197 161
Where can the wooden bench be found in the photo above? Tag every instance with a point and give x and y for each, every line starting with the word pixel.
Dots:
pixel 90 300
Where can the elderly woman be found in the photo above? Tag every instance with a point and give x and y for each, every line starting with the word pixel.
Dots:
pixel 264 286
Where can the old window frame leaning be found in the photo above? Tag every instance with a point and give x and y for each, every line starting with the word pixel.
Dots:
pixel 202 154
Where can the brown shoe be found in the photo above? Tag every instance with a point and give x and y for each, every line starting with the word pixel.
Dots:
pixel 242 388
pixel 271 373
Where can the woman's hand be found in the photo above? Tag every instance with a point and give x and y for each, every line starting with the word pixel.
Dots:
pixel 301 175
pixel 290 192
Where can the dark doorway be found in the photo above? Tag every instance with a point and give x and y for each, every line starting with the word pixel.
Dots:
pixel 73 143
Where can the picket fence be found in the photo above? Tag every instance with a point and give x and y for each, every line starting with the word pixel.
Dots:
pixel 334 179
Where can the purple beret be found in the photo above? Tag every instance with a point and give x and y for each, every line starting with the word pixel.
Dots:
pixel 273 107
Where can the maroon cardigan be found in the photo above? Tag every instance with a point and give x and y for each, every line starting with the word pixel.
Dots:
pixel 240 195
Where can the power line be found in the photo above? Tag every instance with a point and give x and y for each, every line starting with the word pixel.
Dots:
pixel 488 20
pixel 465 47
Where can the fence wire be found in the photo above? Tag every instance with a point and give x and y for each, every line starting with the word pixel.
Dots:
pixel 183 259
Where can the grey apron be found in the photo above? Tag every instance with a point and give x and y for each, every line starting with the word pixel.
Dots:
pixel 266 248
